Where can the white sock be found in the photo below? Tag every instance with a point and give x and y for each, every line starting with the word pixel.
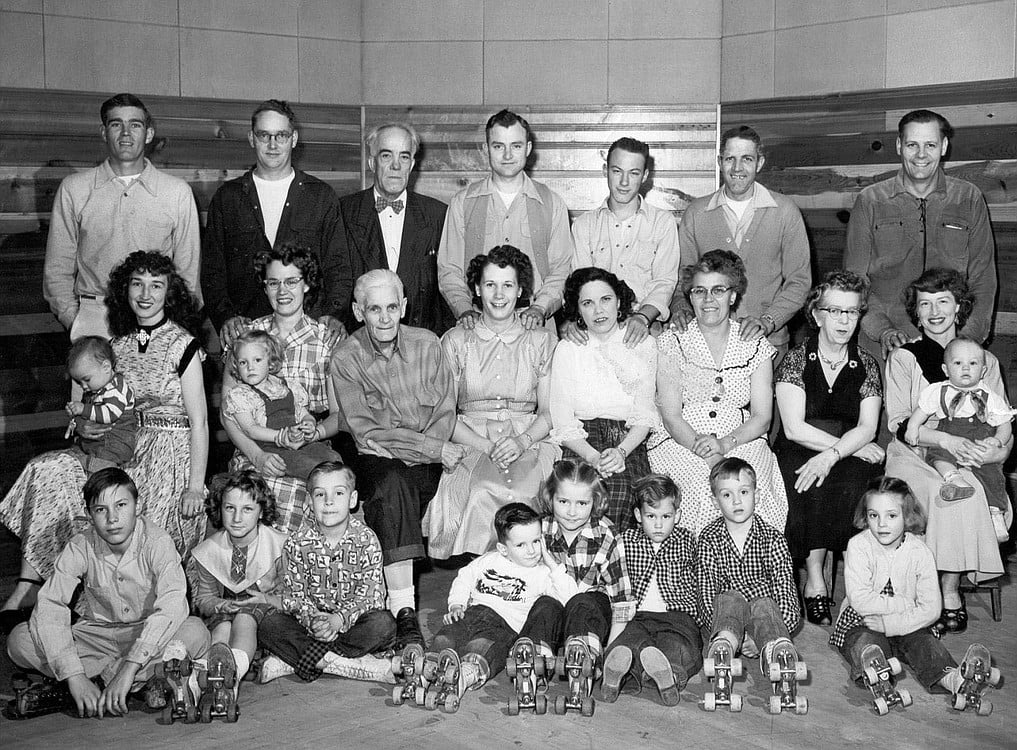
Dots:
pixel 243 662
pixel 401 598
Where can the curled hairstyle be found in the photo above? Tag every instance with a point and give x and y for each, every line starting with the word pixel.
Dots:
pixel 743 132
pixel 836 281
pixel 278 106
pixel 653 489
pixel 371 140
pixel 730 468
pixel 579 472
pixel 181 306
pixel 925 115
pixel 102 480
pixel 506 118
pixel 503 256
pixel 940 280
pixel 124 100
pixel 512 515
pixel 247 481
pixel 717 261
pixel 914 516
pixel 633 146
pixel 96 347
pixel 581 277
pixel 273 348
pixel 330 467
pixel 291 253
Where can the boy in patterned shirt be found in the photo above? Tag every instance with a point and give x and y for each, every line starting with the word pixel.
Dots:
pixel 663 633
pixel 746 580
pixel 333 592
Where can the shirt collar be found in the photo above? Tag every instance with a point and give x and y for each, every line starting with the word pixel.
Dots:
pixel 897 185
pixel 508 336
pixel 528 189
pixel 761 198
pixel 147 179
pixel 377 195
pixel 587 532
pixel 606 208
pixel 138 539
pixel 378 353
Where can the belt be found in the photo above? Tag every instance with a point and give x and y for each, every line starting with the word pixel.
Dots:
pixel 164 421
pixel 89 296
pixel 496 404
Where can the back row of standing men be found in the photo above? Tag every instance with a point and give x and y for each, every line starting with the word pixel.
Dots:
pixel 917 219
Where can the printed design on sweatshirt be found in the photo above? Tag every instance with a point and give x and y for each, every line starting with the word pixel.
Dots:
pixel 504 587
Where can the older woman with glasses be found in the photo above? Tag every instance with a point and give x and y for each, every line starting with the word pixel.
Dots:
pixel 829 396
pixel 715 393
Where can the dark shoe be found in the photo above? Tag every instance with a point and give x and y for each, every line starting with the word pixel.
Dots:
pixel 407 629
pixel 955 620
pixel 616 668
pixel 817 609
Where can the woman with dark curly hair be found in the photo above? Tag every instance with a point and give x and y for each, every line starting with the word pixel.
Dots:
pixel 715 393
pixel 289 274
pixel 829 396
pixel 153 318
pixel 602 404
pixel 960 532
pixel 502 376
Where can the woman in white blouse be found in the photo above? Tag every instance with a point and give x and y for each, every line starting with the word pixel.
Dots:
pixel 602 392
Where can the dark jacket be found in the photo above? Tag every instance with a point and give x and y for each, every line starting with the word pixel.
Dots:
pixel 418 254
pixel 235 234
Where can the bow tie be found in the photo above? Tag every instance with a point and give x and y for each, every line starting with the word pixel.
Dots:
pixel 380 204
pixel 978 398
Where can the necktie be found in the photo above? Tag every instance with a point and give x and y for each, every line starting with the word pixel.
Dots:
pixel 380 204
pixel 238 565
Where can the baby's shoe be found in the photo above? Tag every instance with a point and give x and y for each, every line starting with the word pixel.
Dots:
pixel 999 525
pixel 955 488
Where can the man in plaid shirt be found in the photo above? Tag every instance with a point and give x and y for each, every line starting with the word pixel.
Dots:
pixel 746 580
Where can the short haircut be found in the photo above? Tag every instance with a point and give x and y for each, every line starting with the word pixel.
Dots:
pixel 581 277
pixel 507 118
pixel 371 140
pixel 512 515
pixel 653 489
pixel 330 467
pixel 957 341
pixel 837 281
pixel 730 468
pixel 940 280
pixel 246 481
pixel 745 133
pixel 717 261
pixel 503 256
pixel 102 480
pixel 922 116
pixel 292 253
pixel 124 100
pixel 275 105
pixel 578 472
pixel 633 147
pixel 377 277
pixel 274 348
pixel 96 347
pixel 914 516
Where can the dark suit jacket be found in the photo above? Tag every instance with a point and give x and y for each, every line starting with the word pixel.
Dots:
pixel 418 254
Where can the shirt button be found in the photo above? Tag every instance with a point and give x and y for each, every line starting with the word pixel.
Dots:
pixel 712 415
pixel 716 399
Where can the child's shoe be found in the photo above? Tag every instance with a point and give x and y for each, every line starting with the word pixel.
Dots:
pixel 454 677
pixel 616 666
pixel 219 685
pixel 369 668
pixel 33 699
pixel 785 671
pixel 955 488
pixel 999 525
pixel 659 669
pixel 171 689
pixel 975 675
pixel 272 668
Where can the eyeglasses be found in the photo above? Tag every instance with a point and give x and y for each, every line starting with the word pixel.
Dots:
pixel 291 283
pixel 699 292
pixel 853 313
pixel 264 136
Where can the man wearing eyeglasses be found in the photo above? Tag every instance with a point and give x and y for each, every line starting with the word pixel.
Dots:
pixel 919 219
pixel 764 228
pixel 102 215
pixel 271 204
pixel 388 226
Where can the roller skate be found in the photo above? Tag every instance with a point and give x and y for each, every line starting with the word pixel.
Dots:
pixel 785 671
pixel 979 675
pixel 526 668
pixel 879 678
pixel 576 665
pixel 33 699
pixel 453 678
pixel 410 667
pixel 172 684
pixel 218 686
pixel 722 666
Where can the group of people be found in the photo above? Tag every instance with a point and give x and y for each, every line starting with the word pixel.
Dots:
pixel 644 429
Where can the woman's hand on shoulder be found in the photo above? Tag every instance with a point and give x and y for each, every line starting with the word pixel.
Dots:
pixel 571 332
pixel 335 329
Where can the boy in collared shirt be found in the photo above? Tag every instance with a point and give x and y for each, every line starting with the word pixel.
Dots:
pixel 663 633
pixel 746 580
pixel 333 591
pixel 133 608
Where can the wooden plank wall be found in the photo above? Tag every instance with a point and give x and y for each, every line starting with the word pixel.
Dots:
pixel 46 135
pixel 823 150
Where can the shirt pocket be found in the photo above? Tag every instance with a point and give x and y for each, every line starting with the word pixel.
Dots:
pixel 153 231
pixel 374 399
pixel 890 244
pixel 954 232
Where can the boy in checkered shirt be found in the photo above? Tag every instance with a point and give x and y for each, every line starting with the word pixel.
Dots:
pixel 746 580
pixel 663 633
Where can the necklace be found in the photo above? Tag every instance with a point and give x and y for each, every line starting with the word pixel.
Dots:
pixel 833 365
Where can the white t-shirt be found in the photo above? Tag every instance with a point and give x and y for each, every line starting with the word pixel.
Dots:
pixel 272 194
pixel 739 207
pixel 507 198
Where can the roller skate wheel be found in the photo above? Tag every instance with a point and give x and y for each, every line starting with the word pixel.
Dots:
pixel 559 705
pixel 166 718
pixel 801 671
pixel 905 697
pixel 882 708
pixel 430 701
pixel 510 667
pixel 960 701
pixel 513 705
pixel 587 668
pixel 736 703
pixel 801 705
pixel 232 713
pixel 984 707
pixel 710 702
pixel 895 665
pixel 202 679
pixel 994 676
pixel 397 694
pixel 775 704
pixel 871 675
pixel 397 665
pixel 587 706
pixel 540 704
pixel 451 704
pixel 709 667
pixel 420 696
pixel 538 666
pixel 968 670
pixel 736 667
pixel 418 664
pixel 774 672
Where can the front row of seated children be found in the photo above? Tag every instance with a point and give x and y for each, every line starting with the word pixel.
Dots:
pixel 316 601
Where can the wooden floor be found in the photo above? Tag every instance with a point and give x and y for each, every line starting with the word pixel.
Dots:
pixel 334 712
